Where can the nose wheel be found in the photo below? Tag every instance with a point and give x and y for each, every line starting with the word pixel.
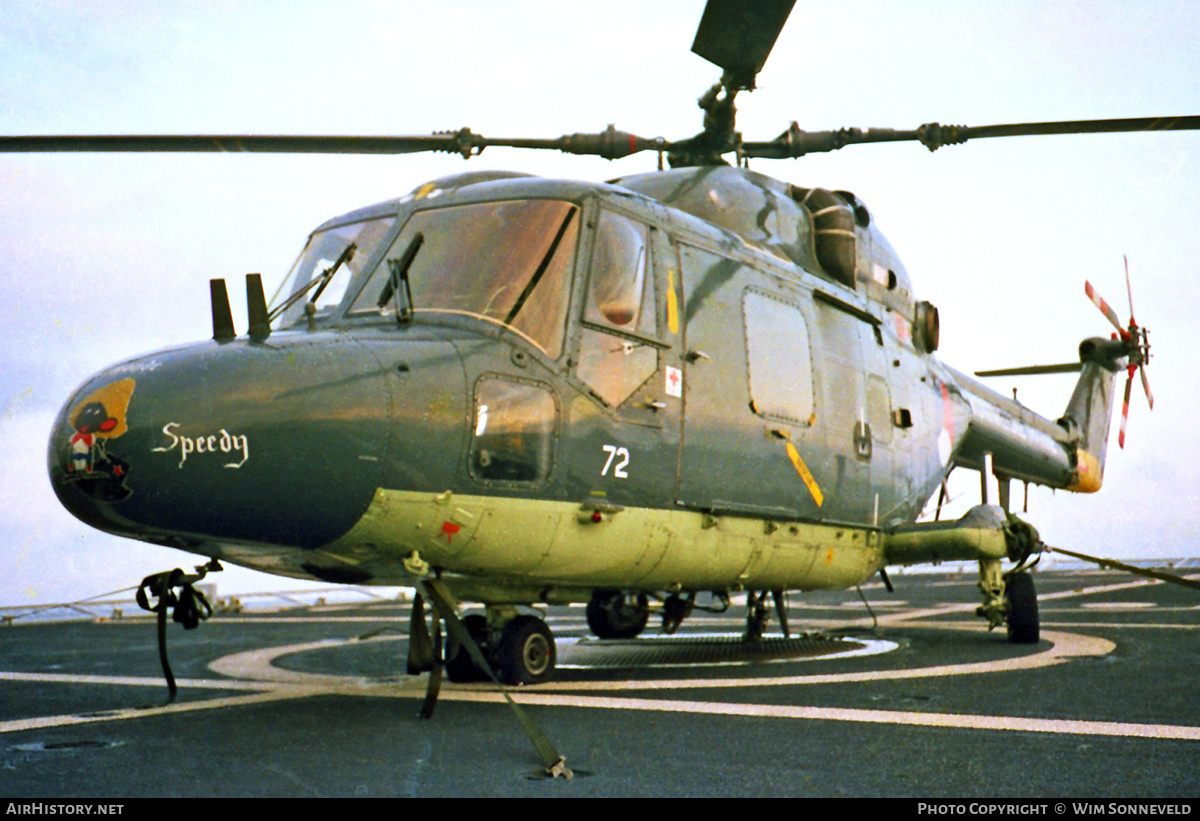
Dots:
pixel 521 652
pixel 526 653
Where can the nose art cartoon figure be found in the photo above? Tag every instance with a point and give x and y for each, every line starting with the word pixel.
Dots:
pixel 92 418
pixel 97 420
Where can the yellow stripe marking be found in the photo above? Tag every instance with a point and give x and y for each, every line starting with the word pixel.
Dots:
pixel 672 303
pixel 805 474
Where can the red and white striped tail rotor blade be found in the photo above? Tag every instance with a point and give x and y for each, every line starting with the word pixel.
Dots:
pixel 1146 387
pixel 1104 307
pixel 1125 410
pixel 1129 290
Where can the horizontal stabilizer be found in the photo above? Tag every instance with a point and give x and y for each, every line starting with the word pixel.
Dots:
pixel 1034 370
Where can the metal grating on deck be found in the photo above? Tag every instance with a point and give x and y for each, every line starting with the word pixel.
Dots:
pixel 698 650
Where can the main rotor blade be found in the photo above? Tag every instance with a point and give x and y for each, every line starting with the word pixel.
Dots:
pixel 1034 370
pixel 738 36
pixel 797 143
pixel 610 144
pixel 201 143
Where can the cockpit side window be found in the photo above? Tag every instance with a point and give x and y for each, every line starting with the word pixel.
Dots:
pixel 620 314
pixel 621 293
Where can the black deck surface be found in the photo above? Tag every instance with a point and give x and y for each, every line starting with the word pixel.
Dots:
pixel 294 703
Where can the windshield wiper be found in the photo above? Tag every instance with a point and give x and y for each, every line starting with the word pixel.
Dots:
pixel 398 275
pixel 319 283
pixel 541 270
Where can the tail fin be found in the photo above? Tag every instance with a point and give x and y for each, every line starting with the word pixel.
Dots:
pixel 1085 424
pixel 1089 413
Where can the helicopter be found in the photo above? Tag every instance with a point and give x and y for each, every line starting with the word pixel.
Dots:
pixel 558 414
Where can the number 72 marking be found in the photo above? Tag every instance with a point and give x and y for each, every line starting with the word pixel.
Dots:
pixel 616 453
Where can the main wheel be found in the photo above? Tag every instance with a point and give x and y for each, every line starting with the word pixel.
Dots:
pixel 526 652
pixel 1023 625
pixel 611 615
pixel 462 668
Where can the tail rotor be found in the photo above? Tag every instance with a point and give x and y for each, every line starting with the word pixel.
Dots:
pixel 1137 345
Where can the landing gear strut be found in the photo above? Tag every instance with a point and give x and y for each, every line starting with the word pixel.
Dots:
pixel 759 613
pixel 1009 599
pixel 525 653
pixel 756 616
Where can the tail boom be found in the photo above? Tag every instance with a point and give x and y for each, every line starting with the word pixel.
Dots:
pixel 1068 453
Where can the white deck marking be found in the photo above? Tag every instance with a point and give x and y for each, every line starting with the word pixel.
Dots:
pixel 527 696
pixel 44 722
pixel 255 671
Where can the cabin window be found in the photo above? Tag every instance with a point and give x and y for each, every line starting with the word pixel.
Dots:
pixel 336 255
pixel 779 359
pixel 508 263
pixel 879 408
pixel 513 436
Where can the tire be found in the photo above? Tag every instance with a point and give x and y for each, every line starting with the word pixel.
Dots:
pixel 611 616
pixel 526 654
pixel 462 668
pixel 1023 625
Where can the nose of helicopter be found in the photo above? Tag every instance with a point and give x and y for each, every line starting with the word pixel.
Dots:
pixel 279 444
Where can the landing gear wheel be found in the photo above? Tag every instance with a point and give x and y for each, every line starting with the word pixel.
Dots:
pixel 1023 625
pixel 462 668
pixel 610 615
pixel 526 652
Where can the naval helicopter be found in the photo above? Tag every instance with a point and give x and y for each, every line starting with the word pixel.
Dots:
pixel 550 431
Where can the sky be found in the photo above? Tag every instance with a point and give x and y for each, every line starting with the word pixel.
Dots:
pixel 104 257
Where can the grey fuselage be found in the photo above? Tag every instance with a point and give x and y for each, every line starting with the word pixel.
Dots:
pixel 700 379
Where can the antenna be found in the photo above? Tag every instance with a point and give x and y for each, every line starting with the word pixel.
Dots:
pixel 256 307
pixel 222 316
